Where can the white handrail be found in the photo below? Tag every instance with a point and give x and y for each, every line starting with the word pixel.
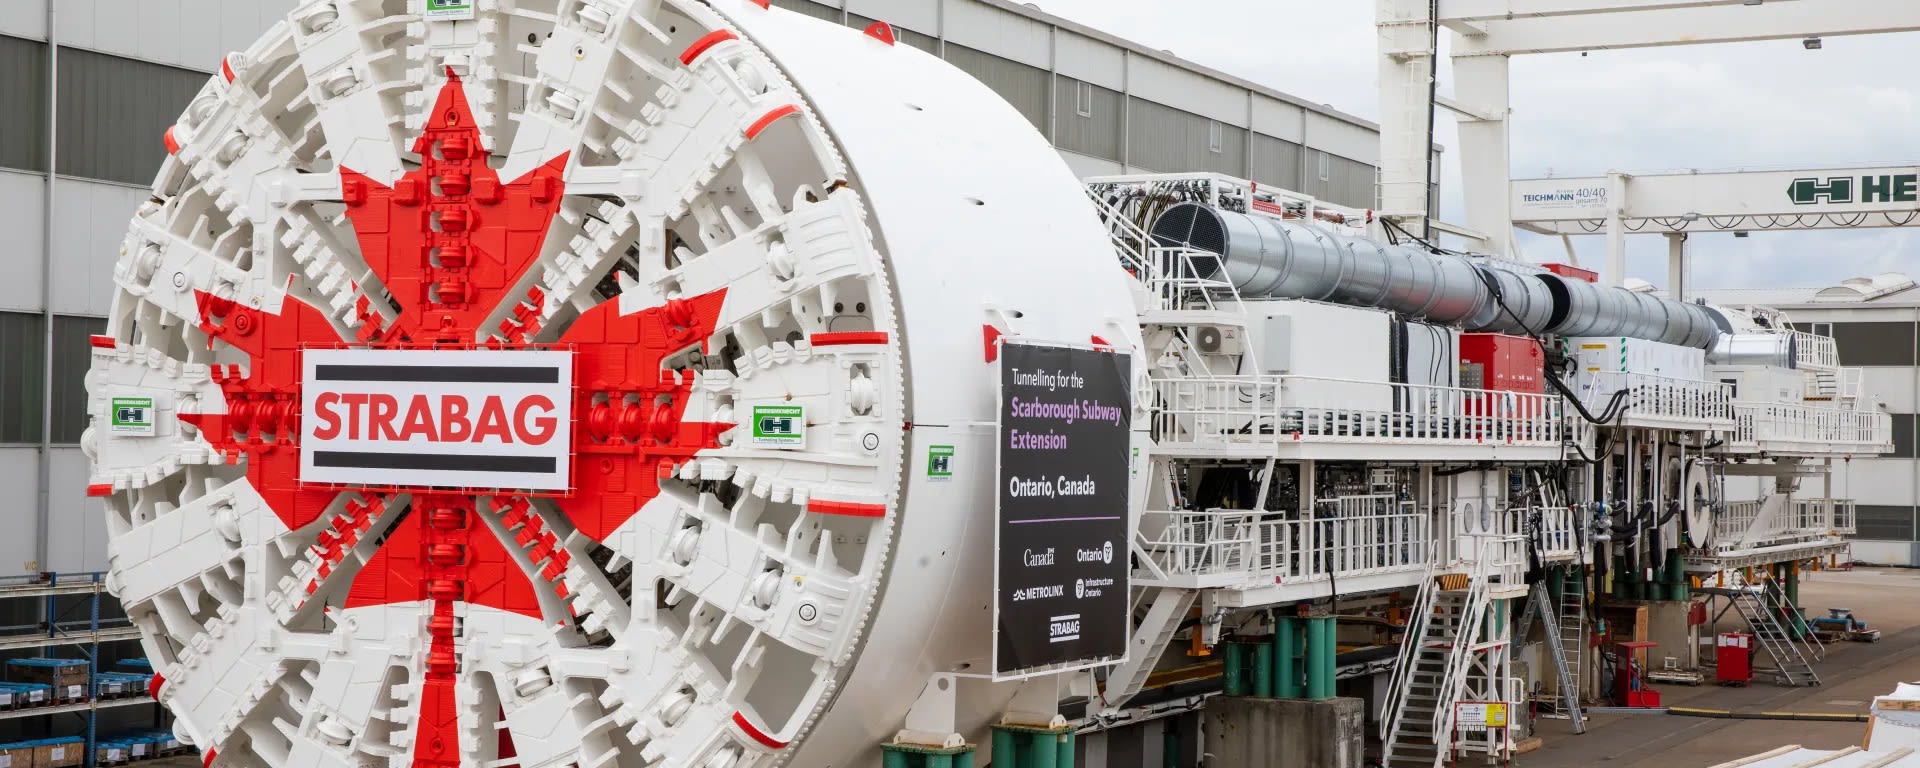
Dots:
pixel 1865 431
pixel 1262 409
pixel 1653 396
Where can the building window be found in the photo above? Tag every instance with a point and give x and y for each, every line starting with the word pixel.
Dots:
pixel 1878 522
pixel 22 344
pixel 1874 343
pixel 1083 99
pixel 72 357
pixel 1326 167
pixel 1822 329
pixel 1216 136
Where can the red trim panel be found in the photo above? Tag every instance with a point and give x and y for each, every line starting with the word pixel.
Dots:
pixel 1102 344
pixel 173 147
pixel 846 508
pixel 768 119
pixel 757 734
pixel 154 685
pixel 880 31
pixel 761 3
pixel 846 338
pixel 100 489
pixel 701 45
pixel 226 67
pixel 103 342
pixel 207 759
pixel 991 334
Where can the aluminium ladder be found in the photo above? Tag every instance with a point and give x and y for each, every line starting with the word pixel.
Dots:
pixel 1541 607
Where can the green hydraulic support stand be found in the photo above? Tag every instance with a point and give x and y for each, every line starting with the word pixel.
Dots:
pixel 1263 670
pixel 1021 747
pixel 1322 651
pixel 1287 671
pixel 1233 678
pixel 1677 587
pixel 1790 590
pixel 912 756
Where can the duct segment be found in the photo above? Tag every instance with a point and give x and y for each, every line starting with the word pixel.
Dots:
pixel 1584 309
pixel 1528 304
pixel 1776 350
pixel 1270 258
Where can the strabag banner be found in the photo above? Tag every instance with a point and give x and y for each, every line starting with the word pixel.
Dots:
pixel 437 418
pixel 1061 583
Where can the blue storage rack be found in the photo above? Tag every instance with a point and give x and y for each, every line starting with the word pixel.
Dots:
pixel 87 634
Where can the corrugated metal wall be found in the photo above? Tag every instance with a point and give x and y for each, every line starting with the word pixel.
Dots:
pixel 1276 162
pixel 919 40
pixel 113 112
pixel 1022 86
pixel 23 89
pixel 1165 139
pixel 1339 180
pixel 813 9
pixel 1088 119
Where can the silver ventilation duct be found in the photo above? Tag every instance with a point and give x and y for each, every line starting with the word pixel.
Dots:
pixel 1584 309
pixel 1778 350
pixel 1266 257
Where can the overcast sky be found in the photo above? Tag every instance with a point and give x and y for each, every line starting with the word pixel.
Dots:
pixel 1771 105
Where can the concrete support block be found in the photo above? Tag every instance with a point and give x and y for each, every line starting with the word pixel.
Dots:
pixel 1256 732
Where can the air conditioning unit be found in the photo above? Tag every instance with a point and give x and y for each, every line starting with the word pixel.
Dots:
pixel 1217 340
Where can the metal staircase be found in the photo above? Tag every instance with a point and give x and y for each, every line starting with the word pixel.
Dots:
pixel 1435 658
pixel 1150 639
pixel 1541 607
pixel 1762 613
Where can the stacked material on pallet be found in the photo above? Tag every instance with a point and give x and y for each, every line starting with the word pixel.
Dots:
pixel 1892 740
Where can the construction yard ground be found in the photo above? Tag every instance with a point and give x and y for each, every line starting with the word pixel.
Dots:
pixel 1851 675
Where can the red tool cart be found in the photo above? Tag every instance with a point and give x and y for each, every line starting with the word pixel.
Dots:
pixel 1629 686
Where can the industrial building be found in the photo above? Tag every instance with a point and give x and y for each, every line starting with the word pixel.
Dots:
pixel 127 68
pixel 1873 321
pixel 911 383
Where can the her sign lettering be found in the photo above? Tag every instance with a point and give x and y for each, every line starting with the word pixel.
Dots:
pixel 437 419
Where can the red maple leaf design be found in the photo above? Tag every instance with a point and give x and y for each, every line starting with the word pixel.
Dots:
pixel 451 243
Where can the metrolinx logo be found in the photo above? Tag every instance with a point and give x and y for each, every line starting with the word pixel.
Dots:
pixel 1894 188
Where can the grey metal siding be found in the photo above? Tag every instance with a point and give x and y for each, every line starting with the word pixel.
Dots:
pixel 1022 86
pixel 1099 132
pixel 1276 162
pixel 810 8
pixel 23 89
pixel 1881 343
pixel 1882 522
pixel 1170 140
pixel 114 111
pixel 1339 180
pixel 72 356
pixel 22 343
pixel 919 40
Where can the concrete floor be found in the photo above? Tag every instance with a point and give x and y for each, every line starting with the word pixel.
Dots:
pixel 1851 675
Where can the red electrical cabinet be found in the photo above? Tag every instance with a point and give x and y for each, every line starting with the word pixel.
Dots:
pixel 1733 658
pixel 1501 363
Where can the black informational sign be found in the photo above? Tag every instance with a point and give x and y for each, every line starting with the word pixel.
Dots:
pixel 1064 456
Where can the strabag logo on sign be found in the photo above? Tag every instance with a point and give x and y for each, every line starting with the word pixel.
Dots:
pixel 452 419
